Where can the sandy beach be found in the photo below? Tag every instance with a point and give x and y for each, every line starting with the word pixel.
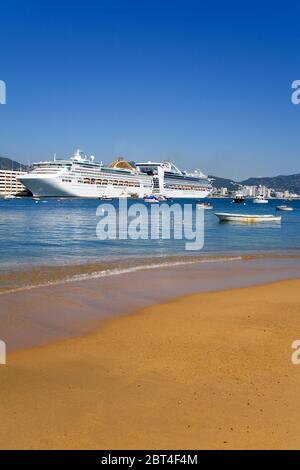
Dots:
pixel 205 371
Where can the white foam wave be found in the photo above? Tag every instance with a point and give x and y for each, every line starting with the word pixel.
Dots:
pixel 119 271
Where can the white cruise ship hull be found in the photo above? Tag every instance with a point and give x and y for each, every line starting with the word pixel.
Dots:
pixel 55 187
pixel 180 194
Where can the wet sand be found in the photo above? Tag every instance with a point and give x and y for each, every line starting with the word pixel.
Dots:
pixel 210 370
pixel 34 316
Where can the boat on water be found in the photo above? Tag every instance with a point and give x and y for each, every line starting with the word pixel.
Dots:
pixel 205 205
pixel 260 200
pixel 238 198
pixel 284 207
pixel 152 199
pixel 170 182
pixel 81 176
pixel 230 217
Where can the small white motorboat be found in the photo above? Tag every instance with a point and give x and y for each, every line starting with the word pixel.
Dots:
pixel 205 205
pixel 9 196
pixel 260 200
pixel 227 217
pixel 284 207
pixel 152 199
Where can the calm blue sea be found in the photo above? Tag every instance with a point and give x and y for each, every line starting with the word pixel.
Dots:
pixel 56 232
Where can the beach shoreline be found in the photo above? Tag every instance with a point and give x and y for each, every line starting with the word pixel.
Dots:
pixel 210 370
pixel 32 315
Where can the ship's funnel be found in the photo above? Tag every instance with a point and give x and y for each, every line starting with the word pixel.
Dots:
pixel 121 163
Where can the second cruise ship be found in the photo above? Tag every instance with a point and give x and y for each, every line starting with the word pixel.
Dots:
pixel 170 182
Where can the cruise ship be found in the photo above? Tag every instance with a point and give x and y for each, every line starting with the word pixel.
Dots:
pixel 170 182
pixel 81 176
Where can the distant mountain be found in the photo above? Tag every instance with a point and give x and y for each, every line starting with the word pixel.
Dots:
pixel 8 164
pixel 279 183
pixel 224 183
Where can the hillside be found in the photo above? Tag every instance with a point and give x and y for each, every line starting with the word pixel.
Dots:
pixel 8 164
pixel 279 183
pixel 224 183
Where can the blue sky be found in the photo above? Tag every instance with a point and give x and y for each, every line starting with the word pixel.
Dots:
pixel 206 84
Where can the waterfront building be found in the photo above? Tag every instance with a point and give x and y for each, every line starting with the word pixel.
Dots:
pixel 9 184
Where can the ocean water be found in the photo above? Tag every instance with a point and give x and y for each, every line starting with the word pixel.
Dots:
pixel 62 232
pixel 57 279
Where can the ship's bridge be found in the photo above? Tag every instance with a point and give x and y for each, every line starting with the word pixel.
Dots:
pixel 169 166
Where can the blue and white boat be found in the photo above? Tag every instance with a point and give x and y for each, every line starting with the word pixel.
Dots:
pixel 230 217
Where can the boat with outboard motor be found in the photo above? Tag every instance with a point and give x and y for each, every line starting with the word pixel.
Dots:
pixel 230 217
